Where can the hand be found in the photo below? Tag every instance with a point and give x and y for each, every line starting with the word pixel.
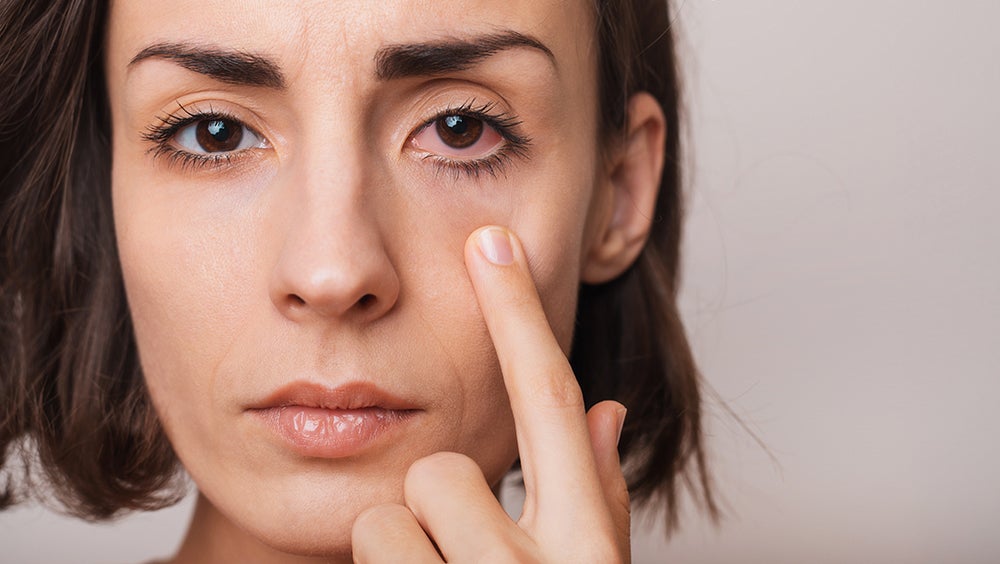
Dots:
pixel 576 507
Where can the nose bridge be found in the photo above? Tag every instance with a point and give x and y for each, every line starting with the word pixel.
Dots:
pixel 333 260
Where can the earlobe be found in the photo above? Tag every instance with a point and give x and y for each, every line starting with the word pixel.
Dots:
pixel 632 185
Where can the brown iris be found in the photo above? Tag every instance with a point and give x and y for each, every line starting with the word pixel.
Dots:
pixel 219 135
pixel 459 132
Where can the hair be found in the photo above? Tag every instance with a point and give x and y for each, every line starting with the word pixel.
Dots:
pixel 76 411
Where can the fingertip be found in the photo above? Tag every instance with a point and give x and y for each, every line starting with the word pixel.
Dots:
pixel 494 260
pixel 495 245
pixel 606 419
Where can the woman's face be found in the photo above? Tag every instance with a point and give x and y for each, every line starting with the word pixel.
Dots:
pixel 293 186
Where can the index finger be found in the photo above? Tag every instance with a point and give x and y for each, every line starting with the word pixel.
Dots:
pixel 557 459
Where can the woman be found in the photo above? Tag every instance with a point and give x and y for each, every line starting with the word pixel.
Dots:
pixel 331 258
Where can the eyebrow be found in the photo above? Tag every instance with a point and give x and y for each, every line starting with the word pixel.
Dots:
pixel 230 66
pixel 243 68
pixel 450 55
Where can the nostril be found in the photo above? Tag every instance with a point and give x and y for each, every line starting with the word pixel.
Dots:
pixel 366 300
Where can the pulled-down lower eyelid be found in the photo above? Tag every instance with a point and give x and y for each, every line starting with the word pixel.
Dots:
pixel 514 143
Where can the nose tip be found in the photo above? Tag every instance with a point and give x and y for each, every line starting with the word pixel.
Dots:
pixel 330 269
pixel 336 293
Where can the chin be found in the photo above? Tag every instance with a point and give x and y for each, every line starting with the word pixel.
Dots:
pixel 309 513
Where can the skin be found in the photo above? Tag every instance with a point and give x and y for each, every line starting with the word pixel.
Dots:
pixel 335 251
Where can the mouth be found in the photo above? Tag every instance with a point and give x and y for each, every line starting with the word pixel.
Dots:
pixel 319 422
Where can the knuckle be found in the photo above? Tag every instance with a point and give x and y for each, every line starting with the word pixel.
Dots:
pixel 556 387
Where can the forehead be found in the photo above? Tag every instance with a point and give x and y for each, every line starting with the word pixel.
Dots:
pixel 307 37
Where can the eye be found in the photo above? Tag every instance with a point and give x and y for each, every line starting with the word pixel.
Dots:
pixel 216 135
pixel 458 136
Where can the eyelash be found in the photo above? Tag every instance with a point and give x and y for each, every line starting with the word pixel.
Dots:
pixel 506 125
pixel 161 133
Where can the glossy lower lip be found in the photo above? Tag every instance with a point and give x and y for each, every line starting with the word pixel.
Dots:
pixel 331 433
pixel 315 421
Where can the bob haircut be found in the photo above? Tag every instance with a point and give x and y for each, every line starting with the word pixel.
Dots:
pixel 76 412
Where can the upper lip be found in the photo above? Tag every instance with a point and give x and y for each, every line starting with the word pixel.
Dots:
pixel 354 395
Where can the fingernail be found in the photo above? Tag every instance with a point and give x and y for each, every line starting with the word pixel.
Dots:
pixel 495 246
pixel 621 423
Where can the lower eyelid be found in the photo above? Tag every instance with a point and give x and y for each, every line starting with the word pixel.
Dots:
pixel 184 159
pixel 495 164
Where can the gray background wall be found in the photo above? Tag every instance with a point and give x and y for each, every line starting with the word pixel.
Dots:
pixel 841 290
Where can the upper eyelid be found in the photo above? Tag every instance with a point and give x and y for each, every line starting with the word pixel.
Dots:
pixel 189 121
pixel 184 113
pixel 506 123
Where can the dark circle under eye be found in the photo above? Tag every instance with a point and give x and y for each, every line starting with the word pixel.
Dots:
pixel 218 135
pixel 459 132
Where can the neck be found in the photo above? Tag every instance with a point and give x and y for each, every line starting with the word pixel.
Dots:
pixel 212 537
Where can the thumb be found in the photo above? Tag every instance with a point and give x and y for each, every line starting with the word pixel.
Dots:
pixel 605 421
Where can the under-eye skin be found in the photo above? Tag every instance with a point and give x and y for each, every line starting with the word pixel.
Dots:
pixel 211 139
pixel 470 140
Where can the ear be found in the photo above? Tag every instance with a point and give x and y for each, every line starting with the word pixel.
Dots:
pixel 627 193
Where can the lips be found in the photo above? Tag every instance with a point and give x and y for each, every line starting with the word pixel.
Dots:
pixel 315 421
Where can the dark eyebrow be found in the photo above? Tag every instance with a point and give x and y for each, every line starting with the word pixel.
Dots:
pixel 449 55
pixel 232 67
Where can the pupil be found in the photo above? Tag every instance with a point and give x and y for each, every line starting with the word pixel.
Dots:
pixel 456 124
pixel 218 130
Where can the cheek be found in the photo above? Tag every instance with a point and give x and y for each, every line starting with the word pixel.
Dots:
pixel 551 226
pixel 545 201
pixel 186 279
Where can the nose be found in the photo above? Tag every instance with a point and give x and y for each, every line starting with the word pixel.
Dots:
pixel 333 262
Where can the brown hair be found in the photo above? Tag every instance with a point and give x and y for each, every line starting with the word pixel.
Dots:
pixel 72 388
